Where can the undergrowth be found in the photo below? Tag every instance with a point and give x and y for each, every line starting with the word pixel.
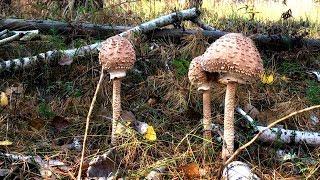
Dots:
pixel 49 110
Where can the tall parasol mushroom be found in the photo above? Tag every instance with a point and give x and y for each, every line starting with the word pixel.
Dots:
pixel 198 77
pixel 237 60
pixel 116 56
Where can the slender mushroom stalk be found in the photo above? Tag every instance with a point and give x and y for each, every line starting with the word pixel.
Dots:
pixel 228 119
pixel 207 119
pixel 199 78
pixel 116 56
pixel 116 107
pixel 237 60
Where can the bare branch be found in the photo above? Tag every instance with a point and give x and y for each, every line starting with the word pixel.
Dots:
pixel 11 38
pixel 3 32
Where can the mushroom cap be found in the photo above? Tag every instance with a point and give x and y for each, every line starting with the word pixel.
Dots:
pixel 117 55
pixel 197 76
pixel 235 57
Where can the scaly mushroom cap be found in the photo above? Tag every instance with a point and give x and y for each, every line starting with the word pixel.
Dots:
pixel 235 57
pixel 117 55
pixel 197 76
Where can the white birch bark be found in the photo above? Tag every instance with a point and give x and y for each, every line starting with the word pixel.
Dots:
pixel 283 135
pixel 3 32
pixel 17 35
pixel 93 48
pixel 10 39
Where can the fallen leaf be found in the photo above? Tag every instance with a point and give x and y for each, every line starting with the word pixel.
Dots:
pixel 36 123
pixel 251 111
pixel 14 89
pixel 59 123
pixel 152 102
pixel 4 172
pixel 46 173
pixel 5 143
pixel 65 60
pixel 191 171
pixel 4 99
pixel 267 79
pixel 128 116
pixel 150 134
pixel 101 166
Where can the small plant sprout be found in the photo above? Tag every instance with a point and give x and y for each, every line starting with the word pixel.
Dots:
pixel 198 77
pixel 116 56
pixel 238 61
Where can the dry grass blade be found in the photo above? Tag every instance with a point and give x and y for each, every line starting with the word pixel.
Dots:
pixel 268 127
pixel 87 123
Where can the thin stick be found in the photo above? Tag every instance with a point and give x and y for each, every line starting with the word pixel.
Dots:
pixel 87 123
pixel 268 127
pixel 11 38
pixel 3 32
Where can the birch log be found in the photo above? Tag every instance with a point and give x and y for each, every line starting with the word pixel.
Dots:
pixel 93 48
pixel 283 135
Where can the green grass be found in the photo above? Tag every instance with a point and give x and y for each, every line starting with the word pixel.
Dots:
pixel 181 66
pixel 313 92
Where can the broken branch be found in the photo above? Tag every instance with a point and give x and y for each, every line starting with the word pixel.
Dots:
pixel 11 38
pixel 3 32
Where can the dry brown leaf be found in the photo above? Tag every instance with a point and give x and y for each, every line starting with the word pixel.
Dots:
pixel 36 123
pixel 251 111
pixel 190 171
pixel 59 123
pixel 101 166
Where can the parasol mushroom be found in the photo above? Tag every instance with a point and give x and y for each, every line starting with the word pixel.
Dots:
pixel 198 77
pixel 237 60
pixel 116 56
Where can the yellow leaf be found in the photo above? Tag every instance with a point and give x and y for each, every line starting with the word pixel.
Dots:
pixel 267 79
pixel 150 134
pixel 5 143
pixel 3 99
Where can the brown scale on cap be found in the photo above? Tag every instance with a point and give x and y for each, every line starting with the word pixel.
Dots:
pixel 235 57
pixel 116 56
pixel 197 75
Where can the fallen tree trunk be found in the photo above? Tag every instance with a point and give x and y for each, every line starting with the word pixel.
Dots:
pixel 93 48
pixel 64 28
pixel 46 26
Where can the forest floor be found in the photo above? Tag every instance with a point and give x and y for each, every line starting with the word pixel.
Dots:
pixel 49 103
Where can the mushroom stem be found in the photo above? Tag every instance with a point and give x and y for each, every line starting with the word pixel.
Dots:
pixel 207 114
pixel 228 134
pixel 116 108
